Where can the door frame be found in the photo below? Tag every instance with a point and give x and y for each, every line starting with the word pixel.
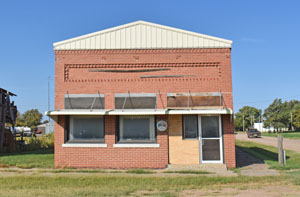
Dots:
pixel 220 138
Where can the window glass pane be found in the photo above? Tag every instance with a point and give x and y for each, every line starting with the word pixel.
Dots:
pixel 210 126
pixel 190 128
pixel 135 102
pixel 137 128
pixel 193 101
pixel 74 101
pixel 211 149
pixel 86 128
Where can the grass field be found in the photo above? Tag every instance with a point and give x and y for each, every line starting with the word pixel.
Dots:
pixel 269 155
pixel 290 135
pixel 105 185
pixel 28 159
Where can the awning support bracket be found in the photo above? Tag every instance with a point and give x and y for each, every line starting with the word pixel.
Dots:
pixel 221 102
pixel 124 102
pixel 93 104
pixel 130 99
pixel 160 100
pixel 127 96
pixel 100 100
pixel 69 100
pixel 188 100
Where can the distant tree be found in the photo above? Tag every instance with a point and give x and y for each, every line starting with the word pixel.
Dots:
pixel 45 121
pixel 278 114
pixel 19 120
pixel 287 111
pixel 30 118
pixel 273 115
pixel 250 115
pixel 296 119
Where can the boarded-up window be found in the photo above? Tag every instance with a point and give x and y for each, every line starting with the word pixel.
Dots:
pixel 193 100
pixel 84 101
pixel 135 101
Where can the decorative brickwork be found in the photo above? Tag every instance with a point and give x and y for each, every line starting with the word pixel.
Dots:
pixel 197 72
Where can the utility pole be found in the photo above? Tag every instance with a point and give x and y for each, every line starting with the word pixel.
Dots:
pixel 260 118
pixel 252 120
pixel 260 123
pixel 292 127
pixel 49 95
pixel 243 123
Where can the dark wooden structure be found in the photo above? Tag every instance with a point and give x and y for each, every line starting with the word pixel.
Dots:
pixel 8 113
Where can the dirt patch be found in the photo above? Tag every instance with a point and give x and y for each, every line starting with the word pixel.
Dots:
pixel 266 191
pixel 251 166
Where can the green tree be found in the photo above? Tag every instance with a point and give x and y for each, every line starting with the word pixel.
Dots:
pixel 273 116
pixel 278 114
pixel 30 118
pixel 296 119
pixel 19 120
pixel 249 115
pixel 287 110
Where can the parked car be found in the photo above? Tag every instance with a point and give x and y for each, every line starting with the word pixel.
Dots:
pixel 253 133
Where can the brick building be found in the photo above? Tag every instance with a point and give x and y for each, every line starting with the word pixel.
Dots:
pixel 143 95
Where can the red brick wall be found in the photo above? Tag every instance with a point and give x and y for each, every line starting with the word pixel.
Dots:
pixel 229 141
pixel 110 157
pixel 207 70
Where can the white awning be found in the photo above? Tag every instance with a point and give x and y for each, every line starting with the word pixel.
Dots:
pixel 200 111
pixel 138 112
pixel 76 112
pixel 55 113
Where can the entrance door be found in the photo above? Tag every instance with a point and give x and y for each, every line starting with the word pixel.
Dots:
pixel 210 139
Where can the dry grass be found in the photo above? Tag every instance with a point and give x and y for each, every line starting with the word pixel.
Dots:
pixel 122 185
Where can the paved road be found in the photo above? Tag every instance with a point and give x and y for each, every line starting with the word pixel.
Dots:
pixel 272 141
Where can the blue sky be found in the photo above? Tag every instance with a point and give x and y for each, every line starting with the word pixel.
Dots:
pixel 265 34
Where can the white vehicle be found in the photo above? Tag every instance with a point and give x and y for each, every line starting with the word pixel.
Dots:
pixel 26 131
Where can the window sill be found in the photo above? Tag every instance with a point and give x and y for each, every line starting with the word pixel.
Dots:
pixel 73 145
pixel 123 145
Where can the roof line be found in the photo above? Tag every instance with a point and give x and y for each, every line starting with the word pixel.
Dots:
pixel 144 23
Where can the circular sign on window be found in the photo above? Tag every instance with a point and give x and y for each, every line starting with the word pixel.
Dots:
pixel 162 125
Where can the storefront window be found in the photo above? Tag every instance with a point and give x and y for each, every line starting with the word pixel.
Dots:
pixel 136 128
pixel 86 129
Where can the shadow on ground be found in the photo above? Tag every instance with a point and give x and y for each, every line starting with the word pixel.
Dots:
pixel 34 152
pixel 245 159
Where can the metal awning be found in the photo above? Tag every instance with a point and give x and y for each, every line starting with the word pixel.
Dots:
pixel 76 112
pixel 201 111
pixel 53 114
pixel 138 112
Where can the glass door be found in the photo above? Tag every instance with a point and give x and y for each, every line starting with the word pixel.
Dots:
pixel 210 139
